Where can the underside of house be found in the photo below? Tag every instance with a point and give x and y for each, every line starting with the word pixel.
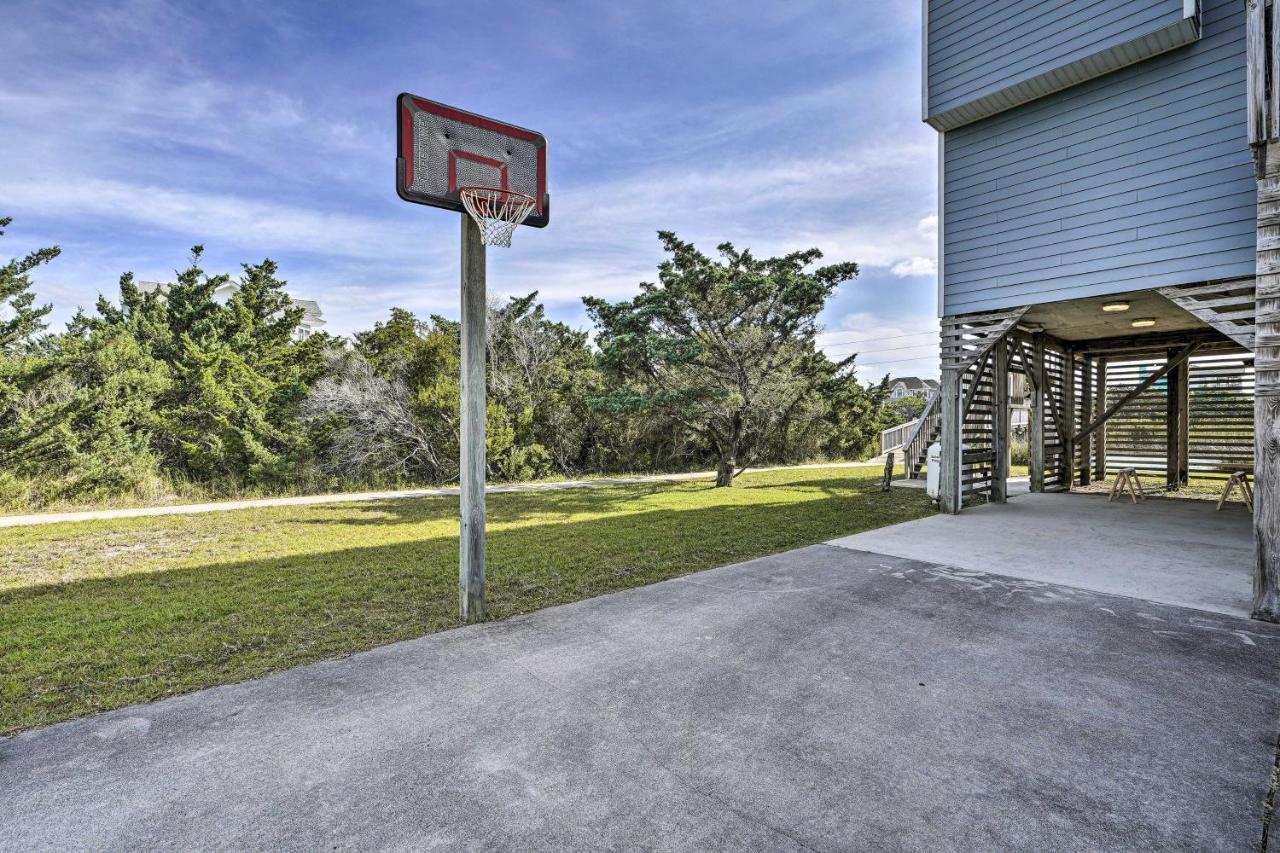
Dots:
pixel 1110 231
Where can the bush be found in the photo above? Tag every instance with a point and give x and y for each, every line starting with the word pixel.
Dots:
pixel 1019 450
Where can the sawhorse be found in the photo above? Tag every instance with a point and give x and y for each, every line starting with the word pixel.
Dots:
pixel 1241 479
pixel 1127 477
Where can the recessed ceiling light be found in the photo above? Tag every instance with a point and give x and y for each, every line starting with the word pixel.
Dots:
pixel 1115 307
pixel 1143 322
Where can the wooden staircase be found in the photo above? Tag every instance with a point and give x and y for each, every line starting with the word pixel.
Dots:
pixel 915 449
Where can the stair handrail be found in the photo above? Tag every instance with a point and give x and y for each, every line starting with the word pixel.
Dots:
pixel 897 431
pixel 930 403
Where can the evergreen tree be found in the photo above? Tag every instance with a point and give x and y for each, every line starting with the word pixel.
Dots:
pixel 20 319
pixel 234 410
pixel 725 347
pixel 83 430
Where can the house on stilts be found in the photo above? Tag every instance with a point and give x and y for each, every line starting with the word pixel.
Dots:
pixel 1109 228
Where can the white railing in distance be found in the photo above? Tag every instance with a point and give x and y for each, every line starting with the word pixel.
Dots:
pixel 895 437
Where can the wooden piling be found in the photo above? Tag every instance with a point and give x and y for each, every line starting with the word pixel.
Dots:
pixel 1035 430
pixel 471 472
pixel 949 493
pixel 1000 422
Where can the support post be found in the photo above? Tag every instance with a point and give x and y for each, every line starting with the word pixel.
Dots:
pixel 949 493
pixel 1000 422
pixel 1184 423
pixel 1266 404
pixel 1085 463
pixel 1035 430
pixel 1069 420
pixel 1173 420
pixel 1100 435
pixel 471 471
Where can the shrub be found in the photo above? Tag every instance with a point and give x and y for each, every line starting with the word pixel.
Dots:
pixel 1019 450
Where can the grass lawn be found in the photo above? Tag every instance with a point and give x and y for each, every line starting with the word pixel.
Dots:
pixel 97 615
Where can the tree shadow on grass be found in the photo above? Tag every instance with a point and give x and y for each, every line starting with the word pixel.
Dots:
pixel 91 645
pixel 501 507
pixel 515 507
pixel 828 485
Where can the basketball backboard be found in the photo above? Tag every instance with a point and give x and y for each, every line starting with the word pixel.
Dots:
pixel 441 149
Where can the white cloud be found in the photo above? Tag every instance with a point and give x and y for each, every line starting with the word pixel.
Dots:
pixel 914 266
pixel 883 244
pixel 240 221
pixel 176 150
pixel 885 343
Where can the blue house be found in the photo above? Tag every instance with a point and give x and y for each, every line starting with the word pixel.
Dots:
pixel 1106 175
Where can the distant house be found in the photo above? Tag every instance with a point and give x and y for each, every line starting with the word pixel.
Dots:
pixel 911 386
pixel 312 316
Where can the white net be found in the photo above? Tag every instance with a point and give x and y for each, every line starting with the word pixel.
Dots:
pixel 496 211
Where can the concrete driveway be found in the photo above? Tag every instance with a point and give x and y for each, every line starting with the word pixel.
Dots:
pixel 823 699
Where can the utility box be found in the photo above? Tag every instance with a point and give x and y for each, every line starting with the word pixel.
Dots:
pixel 933 471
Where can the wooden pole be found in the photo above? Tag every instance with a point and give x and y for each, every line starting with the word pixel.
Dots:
pixel 1256 74
pixel 1086 413
pixel 1266 403
pixel 1069 437
pixel 471 473
pixel 1035 432
pixel 1000 422
pixel 1184 423
pixel 949 494
pixel 1100 435
pixel 1171 418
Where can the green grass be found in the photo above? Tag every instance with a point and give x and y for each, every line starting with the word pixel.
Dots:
pixel 97 615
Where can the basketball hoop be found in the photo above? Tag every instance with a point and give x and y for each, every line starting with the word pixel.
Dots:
pixel 496 211
pixel 496 173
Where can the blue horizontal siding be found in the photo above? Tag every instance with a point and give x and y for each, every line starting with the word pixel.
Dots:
pixel 992 62
pixel 1144 87
pixel 1149 183
pixel 1103 228
pixel 1168 137
pixel 975 49
pixel 1162 111
pixel 1141 178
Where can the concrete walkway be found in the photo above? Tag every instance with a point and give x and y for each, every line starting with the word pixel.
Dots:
pixel 818 700
pixel 344 497
pixel 1179 552
pixel 1017 485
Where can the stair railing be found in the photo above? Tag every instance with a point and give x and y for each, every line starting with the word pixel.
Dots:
pixel 895 437
pixel 916 445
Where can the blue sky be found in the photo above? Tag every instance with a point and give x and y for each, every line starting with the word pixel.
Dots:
pixel 133 130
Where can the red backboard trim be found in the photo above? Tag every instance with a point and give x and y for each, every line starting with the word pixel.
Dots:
pixel 406 144
pixel 478 121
